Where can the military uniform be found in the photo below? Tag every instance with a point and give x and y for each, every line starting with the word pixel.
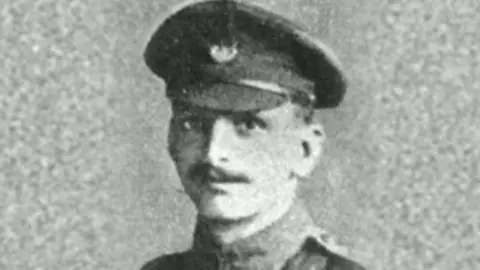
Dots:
pixel 294 242
pixel 221 54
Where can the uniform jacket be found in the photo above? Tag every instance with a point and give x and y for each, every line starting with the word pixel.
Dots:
pixel 293 242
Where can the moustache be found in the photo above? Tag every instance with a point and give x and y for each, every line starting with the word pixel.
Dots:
pixel 206 173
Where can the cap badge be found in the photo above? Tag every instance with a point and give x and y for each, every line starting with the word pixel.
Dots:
pixel 223 54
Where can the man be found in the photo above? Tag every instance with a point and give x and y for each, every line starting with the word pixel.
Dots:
pixel 243 84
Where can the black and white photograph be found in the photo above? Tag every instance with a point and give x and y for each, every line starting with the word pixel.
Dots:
pixel 239 134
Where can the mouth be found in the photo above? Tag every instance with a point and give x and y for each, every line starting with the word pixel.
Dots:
pixel 219 185
pixel 215 189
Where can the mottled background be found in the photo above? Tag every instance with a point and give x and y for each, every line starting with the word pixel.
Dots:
pixel 86 182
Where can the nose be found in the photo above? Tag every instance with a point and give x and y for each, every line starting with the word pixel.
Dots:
pixel 220 147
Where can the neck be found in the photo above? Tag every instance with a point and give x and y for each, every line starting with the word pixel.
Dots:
pixel 228 231
pixel 257 244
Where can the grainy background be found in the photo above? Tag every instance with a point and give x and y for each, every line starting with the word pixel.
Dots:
pixel 86 182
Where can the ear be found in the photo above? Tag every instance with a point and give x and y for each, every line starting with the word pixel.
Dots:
pixel 311 138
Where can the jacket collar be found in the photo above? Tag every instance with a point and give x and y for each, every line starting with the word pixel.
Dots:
pixel 264 250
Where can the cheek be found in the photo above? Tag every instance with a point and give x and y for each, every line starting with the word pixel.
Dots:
pixel 272 155
pixel 279 147
pixel 184 149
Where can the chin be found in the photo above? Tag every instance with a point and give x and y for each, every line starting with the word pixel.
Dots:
pixel 222 209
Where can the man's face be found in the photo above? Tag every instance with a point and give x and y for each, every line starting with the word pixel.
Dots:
pixel 235 165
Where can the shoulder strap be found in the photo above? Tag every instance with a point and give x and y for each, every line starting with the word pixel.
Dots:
pixel 339 256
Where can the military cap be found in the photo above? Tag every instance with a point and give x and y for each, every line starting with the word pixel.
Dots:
pixel 229 55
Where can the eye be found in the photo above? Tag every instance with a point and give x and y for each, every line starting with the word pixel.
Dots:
pixel 190 123
pixel 250 124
